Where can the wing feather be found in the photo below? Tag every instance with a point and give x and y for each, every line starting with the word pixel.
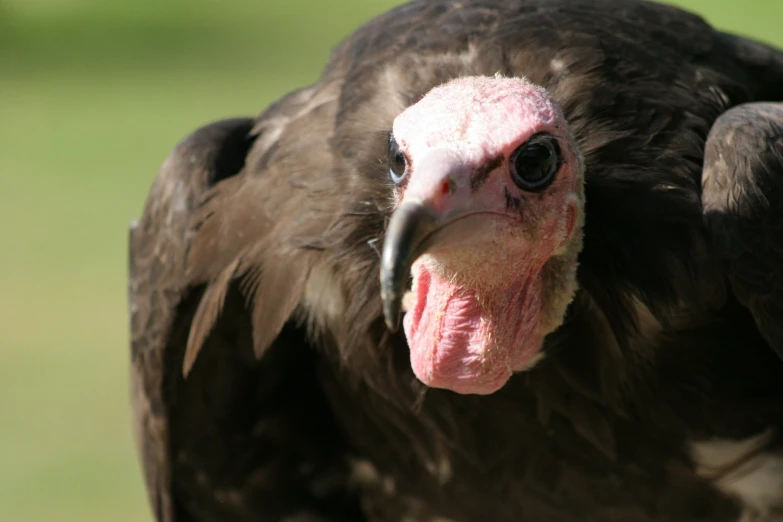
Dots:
pixel 743 209
pixel 158 247
pixel 207 303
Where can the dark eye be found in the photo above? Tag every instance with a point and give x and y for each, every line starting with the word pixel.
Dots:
pixel 535 162
pixel 398 165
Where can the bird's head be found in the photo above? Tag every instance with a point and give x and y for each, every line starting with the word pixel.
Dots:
pixel 488 221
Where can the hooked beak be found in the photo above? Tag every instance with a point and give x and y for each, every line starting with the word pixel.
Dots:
pixel 409 234
pixel 434 199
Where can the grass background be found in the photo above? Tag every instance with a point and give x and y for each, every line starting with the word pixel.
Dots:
pixel 93 95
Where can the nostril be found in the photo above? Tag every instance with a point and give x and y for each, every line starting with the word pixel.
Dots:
pixel 445 187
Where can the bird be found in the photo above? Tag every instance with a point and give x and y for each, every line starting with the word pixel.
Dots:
pixel 505 260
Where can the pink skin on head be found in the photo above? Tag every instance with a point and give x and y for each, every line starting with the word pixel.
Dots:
pixel 478 297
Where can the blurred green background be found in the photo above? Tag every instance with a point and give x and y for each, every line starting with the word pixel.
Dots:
pixel 93 95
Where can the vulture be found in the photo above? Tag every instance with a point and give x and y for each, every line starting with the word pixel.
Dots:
pixel 504 261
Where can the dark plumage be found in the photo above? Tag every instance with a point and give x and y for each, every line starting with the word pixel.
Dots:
pixel 267 386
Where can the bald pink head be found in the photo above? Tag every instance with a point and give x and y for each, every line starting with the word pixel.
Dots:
pixel 492 176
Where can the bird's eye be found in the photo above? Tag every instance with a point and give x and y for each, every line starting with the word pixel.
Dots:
pixel 398 164
pixel 535 162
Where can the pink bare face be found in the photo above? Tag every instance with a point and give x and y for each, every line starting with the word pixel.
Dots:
pixel 489 212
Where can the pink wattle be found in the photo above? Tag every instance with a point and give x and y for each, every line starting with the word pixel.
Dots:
pixel 469 343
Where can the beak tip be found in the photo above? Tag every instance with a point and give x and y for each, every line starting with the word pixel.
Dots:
pixel 391 325
pixel 391 313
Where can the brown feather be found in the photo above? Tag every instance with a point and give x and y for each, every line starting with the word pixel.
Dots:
pixel 207 313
